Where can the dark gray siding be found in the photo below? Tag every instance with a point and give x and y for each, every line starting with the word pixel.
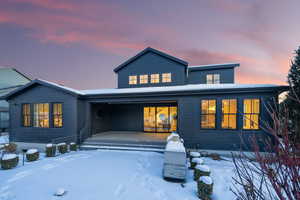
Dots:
pixel 199 76
pixel 151 63
pixel 42 94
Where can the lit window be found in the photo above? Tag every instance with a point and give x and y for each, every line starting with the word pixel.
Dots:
pixel 57 115
pixel 132 80
pixel 41 115
pixel 26 115
pixel 251 114
pixel 143 79
pixel 166 78
pixel 208 113
pixel 213 78
pixel 154 78
pixel 229 111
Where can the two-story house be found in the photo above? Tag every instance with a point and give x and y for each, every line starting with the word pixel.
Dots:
pixel 157 93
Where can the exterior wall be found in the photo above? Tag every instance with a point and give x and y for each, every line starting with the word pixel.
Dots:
pixel 199 76
pixel 151 63
pixel 4 115
pixel 41 94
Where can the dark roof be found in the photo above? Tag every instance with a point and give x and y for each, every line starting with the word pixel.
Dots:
pixel 44 83
pixel 213 66
pixel 149 49
pixel 10 77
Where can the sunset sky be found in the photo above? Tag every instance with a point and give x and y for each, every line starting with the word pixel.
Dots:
pixel 78 43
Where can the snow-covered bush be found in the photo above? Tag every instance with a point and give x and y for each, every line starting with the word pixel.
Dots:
pixel 32 155
pixel 201 170
pixel 73 146
pixel 62 148
pixel 192 155
pixel 205 187
pixel 196 161
pixel 9 161
pixel 11 147
pixel 50 150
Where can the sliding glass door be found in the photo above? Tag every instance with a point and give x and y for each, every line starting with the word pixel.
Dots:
pixel 160 119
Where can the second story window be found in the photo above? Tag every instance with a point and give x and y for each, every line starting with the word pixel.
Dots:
pixel 154 78
pixel 166 78
pixel 132 80
pixel 144 79
pixel 213 78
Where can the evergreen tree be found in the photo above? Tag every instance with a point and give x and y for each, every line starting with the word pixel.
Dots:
pixel 293 97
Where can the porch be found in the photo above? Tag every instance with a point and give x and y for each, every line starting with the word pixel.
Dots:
pixel 129 140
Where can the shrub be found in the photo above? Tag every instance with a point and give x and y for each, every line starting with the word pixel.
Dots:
pixel 50 150
pixel 9 161
pixel 201 170
pixel 32 155
pixel 62 148
pixel 11 147
pixel 205 187
pixel 196 161
pixel 193 154
pixel 73 147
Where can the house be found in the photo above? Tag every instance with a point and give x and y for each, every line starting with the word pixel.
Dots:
pixel 10 79
pixel 157 93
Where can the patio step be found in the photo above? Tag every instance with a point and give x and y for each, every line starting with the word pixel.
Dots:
pixel 122 146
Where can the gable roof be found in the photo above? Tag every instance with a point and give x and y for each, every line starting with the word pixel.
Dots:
pixel 44 83
pixel 149 49
pixel 213 66
pixel 10 77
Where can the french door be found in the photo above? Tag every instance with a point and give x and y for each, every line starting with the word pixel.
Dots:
pixel 160 119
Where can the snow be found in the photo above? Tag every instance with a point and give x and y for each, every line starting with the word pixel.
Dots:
pixel 198 161
pixel 49 145
pixel 206 179
pixel 4 139
pixel 106 174
pixel 194 154
pixel 216 65
pixel 72 143
pixel 175 146
pixel 9 156
pixel 203 168
pixel 61 144
pixel 31 151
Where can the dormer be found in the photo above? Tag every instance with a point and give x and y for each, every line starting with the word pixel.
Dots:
pixel 151 68
pixel 212 74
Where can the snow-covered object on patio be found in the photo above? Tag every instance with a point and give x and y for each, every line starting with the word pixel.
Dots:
pixel 9 161
pixel 175 146
pixel 172 171
pixel 60 192
pixel 205 187
pixel 201 170
pixel 196 161
pixel 194 154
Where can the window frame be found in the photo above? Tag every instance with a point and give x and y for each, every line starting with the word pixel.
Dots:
pixel 53 115
pixel 236 114
pixel 130 80
pixel 252 113
pixel 213 78
pixel 152 80
pixel 30 115
pixel 166 77
pixel 49 115
pixel 144 80
pixel 215 114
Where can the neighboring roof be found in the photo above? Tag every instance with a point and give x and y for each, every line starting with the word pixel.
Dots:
pixel 44 83
pixel 149 49
pixel 214 66
pixel 190 87
pixel 4 91
pixel 10 77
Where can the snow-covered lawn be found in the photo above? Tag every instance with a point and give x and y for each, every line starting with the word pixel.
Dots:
pixel 105 174
pixel 4 139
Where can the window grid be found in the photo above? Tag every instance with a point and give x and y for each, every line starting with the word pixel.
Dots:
pixel 26 115
pixel 229 113
pixel 41 115
pixel 251 114
pixel 132 80
pixel 154 78
pixel 144 79
pixel 166 77
pixel 213 78
pixel 208 114
pixel 57 115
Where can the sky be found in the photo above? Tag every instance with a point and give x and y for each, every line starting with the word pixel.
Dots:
pixel 78 43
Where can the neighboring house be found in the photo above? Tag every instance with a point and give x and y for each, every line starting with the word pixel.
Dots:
pixel 10 79
pixel 156 93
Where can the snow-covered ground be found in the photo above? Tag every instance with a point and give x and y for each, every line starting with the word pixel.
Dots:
pixel 106 174
pixel 3 139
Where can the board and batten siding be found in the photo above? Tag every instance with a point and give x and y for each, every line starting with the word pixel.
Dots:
pixel 42 94
pixel 199 76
